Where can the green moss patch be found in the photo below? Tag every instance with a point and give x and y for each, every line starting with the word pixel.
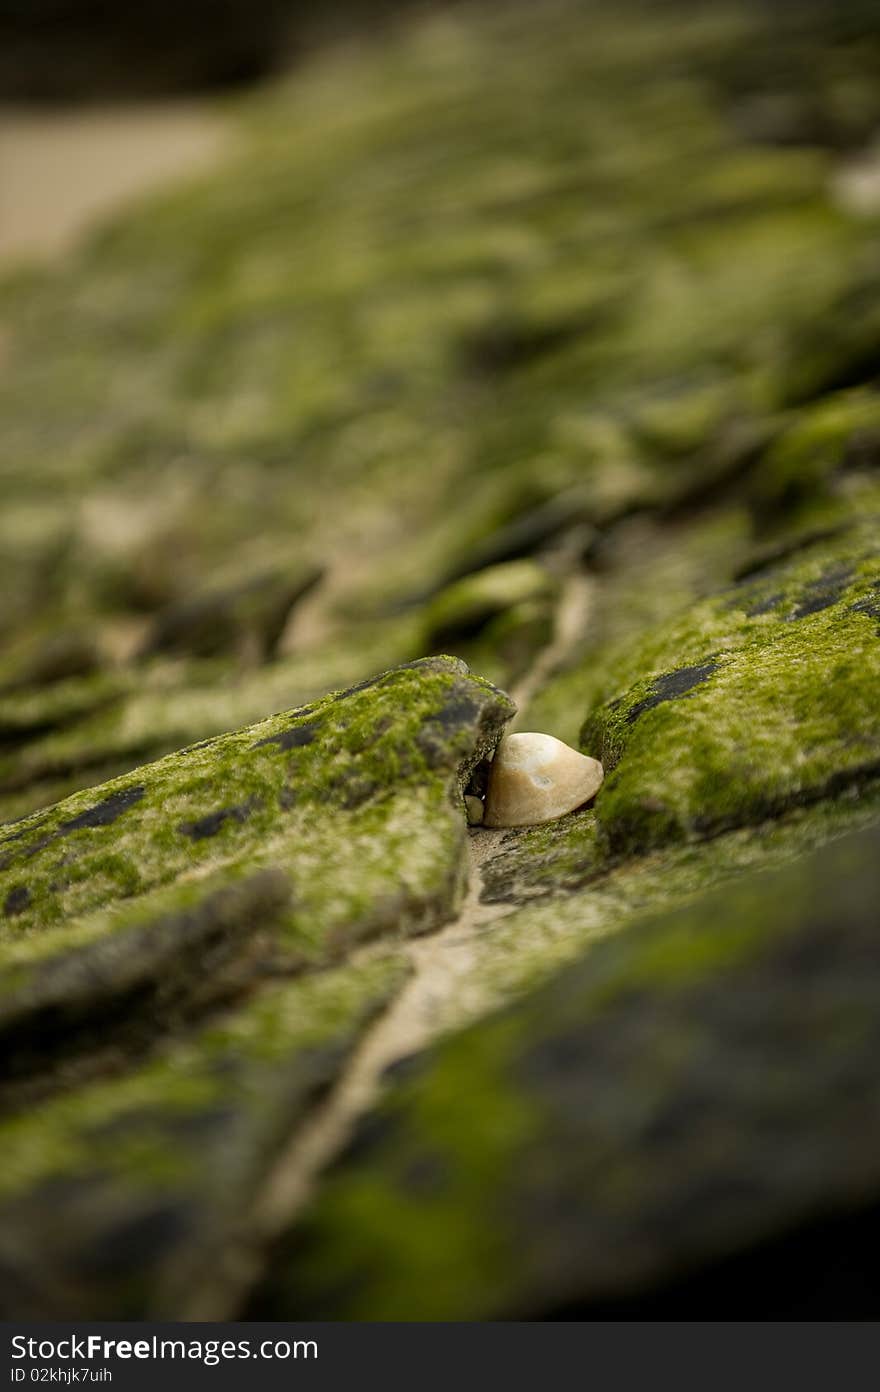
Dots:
pixel 749 704
pixel 154 1170
pixel 321 777
pixel 687 1090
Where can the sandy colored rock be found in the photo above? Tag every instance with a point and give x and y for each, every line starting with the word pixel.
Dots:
pixel 535 778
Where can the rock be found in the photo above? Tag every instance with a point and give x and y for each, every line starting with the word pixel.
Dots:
pixel 116 986
pixel 153 1064
pixel 246 620
pixel 725 715
pixel 546 860
pixel 457 370
pixel 343 783
pixel 87 730
pixel 497 619
pixel 125 1194
pixel 276 847
pixel 686 1120
pixel 463 609
pixel 535 778
pixel 475 809
pixel 558 892
pixel 806 473
pixel 50 660
pixel 29 713
pixel 530 531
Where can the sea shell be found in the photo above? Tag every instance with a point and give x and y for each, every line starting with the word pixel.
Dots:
pixel 534 778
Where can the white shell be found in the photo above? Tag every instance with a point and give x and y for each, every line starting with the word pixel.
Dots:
pixel 534 778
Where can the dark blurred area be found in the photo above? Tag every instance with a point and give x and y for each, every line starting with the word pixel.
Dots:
pixel 58 50
pixel 62 51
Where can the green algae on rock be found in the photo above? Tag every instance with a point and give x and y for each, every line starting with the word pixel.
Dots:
pixel 689 1090
pixel 566 893
pixel 525 315
pixel 80 999
pixel 86 730
pixel 535 321
pixel 390 755
pixel 126 1194
pixel 247 618
pixel 749 703
pixel 498 619
pixel 554 296
pixel 551 859
pixel 134 910
pixel 814 459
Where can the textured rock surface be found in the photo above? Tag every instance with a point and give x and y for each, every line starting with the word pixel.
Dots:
pixel 133 911
pixel 753 701
pixel 554 346
pixel 703 1084
pixel 327 789
pixel 125 1194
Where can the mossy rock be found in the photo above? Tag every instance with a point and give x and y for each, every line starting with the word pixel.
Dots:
pixel 550 859
pixel 643 1132
pixel 154 1067
pixel 409 736
pixel 750 703
pixel 85 730
pixel 589 393
pixel 279 846
pixel 463 610
pixel 498 619
pixel 814 462
pixel 598 313
pixel 126 1194
pixel 557 891
pixel 247 619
